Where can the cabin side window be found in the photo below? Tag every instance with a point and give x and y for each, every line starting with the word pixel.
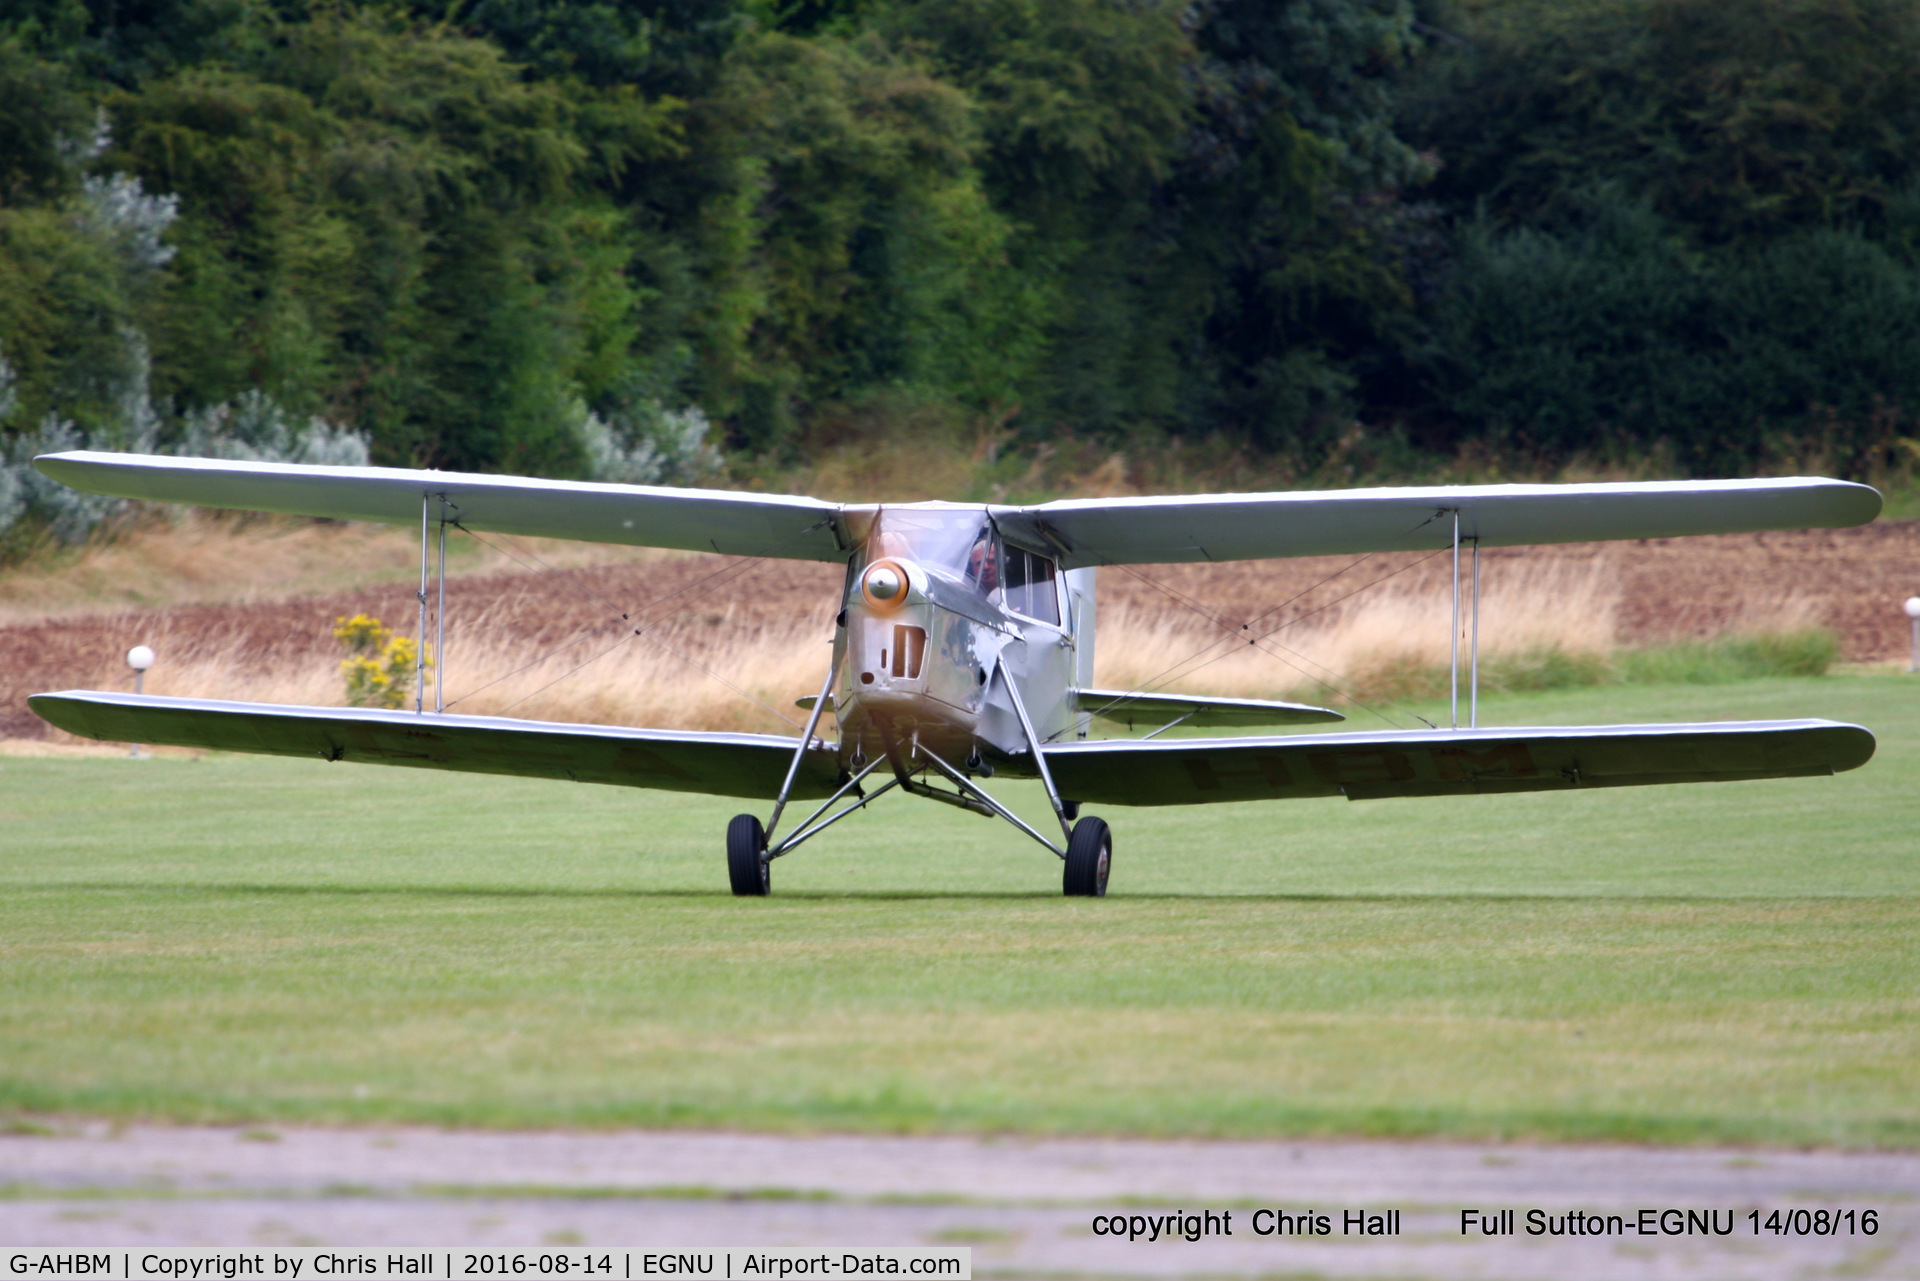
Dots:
pixel 1030 586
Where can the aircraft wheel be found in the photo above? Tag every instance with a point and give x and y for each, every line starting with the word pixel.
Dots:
pixel 747 865
pixel 1089 856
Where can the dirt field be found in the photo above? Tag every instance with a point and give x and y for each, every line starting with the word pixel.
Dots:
pixel 1850 580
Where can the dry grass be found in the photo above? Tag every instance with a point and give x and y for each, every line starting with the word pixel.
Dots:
pixel 740 669
pixel 1388 642
pixel 534 647
pixel 677 676
pixel 681 675
pixel 1391 641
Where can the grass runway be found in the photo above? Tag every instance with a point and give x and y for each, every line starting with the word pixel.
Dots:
pixel 242 939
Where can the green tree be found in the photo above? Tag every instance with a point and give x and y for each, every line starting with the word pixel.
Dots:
pixel 526 233
pixel 858 246
pixel 1736 118
pixel 388 224
pixel 1612 340
pixel 1205 199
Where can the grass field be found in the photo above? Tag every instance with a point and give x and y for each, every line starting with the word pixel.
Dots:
pixel 244 938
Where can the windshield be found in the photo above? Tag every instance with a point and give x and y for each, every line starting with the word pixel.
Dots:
pixel 961 545
pixel 955 543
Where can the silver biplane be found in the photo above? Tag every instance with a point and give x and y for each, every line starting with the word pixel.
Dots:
pixel 963 649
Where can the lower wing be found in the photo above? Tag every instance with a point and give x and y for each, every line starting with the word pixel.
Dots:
pixel 668 760
pixel 1450 762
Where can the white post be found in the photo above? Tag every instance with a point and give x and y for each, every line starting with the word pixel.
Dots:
pixel 1913 612
pixel 139 687
pixel 139 658
pixel 1453 636
pixel 420 647
pixel 1473 698
pixel 440 621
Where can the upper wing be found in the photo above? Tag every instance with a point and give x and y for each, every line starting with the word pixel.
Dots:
pixel 1137 531
pixel 1128 708
pixel 1449 762
pixel 1082 531
pixel 667 760
pixel 708 520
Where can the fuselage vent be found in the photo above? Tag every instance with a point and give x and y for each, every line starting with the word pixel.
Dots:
pixel 909 649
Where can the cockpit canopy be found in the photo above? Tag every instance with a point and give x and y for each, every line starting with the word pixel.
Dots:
pixel 961 545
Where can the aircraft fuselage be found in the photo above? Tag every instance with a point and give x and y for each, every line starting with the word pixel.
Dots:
pixel 939 613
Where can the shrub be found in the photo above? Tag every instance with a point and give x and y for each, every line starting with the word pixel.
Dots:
pixel 1723 660
pixel 1545 667
pixel 254 428
pixel 379 667
pixel 1807 652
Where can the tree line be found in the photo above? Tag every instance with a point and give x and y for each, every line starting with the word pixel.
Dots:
pixel 622 238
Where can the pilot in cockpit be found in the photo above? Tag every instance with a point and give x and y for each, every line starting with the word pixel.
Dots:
pixel 983 562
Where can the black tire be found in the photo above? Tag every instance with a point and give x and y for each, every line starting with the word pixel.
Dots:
pixel 1089 857
pixel 747 864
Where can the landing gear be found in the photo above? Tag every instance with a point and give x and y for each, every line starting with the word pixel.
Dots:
pixel 747 864
pixel 1089 856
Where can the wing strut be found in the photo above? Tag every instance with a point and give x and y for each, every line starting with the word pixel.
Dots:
pixel 1473 701
pixel 799 753
pixel 1453 638
pixel 420 646
pixel 1453 634
pixel 439 613
pixel 1039 757
pixel 440 620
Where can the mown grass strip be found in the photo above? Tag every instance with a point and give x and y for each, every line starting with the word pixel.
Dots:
pixel 266 942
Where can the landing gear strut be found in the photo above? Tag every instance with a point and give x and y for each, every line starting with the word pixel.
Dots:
pixel 1087 856
pixel 747 865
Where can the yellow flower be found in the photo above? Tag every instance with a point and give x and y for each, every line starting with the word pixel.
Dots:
pixel 380 668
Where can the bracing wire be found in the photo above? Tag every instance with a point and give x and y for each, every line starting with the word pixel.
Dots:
pixel 1342 684
pixel 624 640
pixel 529 560
pixel 1225 643
pixel 581 639
pixel 533 562
pixel 1306 591
pixel 1349 595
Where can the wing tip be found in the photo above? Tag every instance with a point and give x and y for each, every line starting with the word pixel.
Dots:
pixel 1872 502
pixel 1862 743
pixel 62 711
pixel 68 462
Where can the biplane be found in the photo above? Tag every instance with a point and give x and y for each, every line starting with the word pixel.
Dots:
pixel 963 649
